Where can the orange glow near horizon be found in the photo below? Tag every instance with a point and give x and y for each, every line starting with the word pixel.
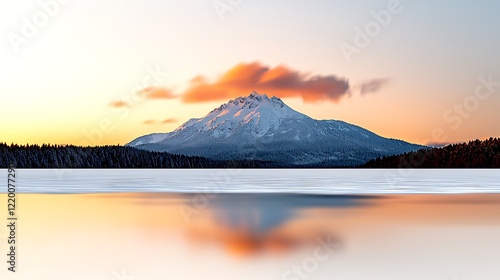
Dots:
pixel 161 109
pixel 58 90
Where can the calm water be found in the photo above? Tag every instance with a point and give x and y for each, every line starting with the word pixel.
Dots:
pixel 336 181
pixel 157 236
pixel 254 224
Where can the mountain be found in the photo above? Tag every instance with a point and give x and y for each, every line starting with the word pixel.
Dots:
pixel 263 128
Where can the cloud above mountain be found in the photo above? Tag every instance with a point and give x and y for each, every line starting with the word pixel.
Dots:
pixel 280 81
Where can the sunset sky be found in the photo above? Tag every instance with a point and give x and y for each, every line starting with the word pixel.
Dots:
pixel 101 72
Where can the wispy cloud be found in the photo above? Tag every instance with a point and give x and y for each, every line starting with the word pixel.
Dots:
pixel 157 93
pixel 151 92
pixel 165 121
pixel 439 144
pixel 117 104
pixel 372 86
pixel 169 121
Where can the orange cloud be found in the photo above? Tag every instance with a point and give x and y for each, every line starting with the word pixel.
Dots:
pixel 165 121
pixel 151 92
pixel 157 93
pixel 117 104
pixel 279 81
pixel 169 121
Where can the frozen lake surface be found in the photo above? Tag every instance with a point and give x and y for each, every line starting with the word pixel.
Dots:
pixel 309 181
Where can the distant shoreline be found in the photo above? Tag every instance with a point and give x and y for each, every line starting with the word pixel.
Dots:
pixel 474 154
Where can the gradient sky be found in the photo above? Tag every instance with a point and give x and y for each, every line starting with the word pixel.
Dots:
pixel 57 86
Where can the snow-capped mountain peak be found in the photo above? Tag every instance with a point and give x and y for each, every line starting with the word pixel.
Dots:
pixel 259 127
pixel 257 113
pixel 252 101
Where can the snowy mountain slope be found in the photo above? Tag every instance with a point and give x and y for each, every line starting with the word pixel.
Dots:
pixel 263 128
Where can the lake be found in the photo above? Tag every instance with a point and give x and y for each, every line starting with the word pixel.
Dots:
pixel 254 224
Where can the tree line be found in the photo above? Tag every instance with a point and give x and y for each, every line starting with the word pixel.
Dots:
pixel 69 156
pixel 474 154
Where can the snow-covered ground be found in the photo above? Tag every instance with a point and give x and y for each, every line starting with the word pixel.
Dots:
pixel 313 181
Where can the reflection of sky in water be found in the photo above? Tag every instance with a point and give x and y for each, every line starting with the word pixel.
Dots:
pixel 250 224
pixel 260 213
pixel 258 236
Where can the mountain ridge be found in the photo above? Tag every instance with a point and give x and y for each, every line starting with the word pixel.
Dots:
pixel 263 128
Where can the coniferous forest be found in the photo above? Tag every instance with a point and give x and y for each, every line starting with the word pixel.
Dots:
pixel 474 154
pixel 67 156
